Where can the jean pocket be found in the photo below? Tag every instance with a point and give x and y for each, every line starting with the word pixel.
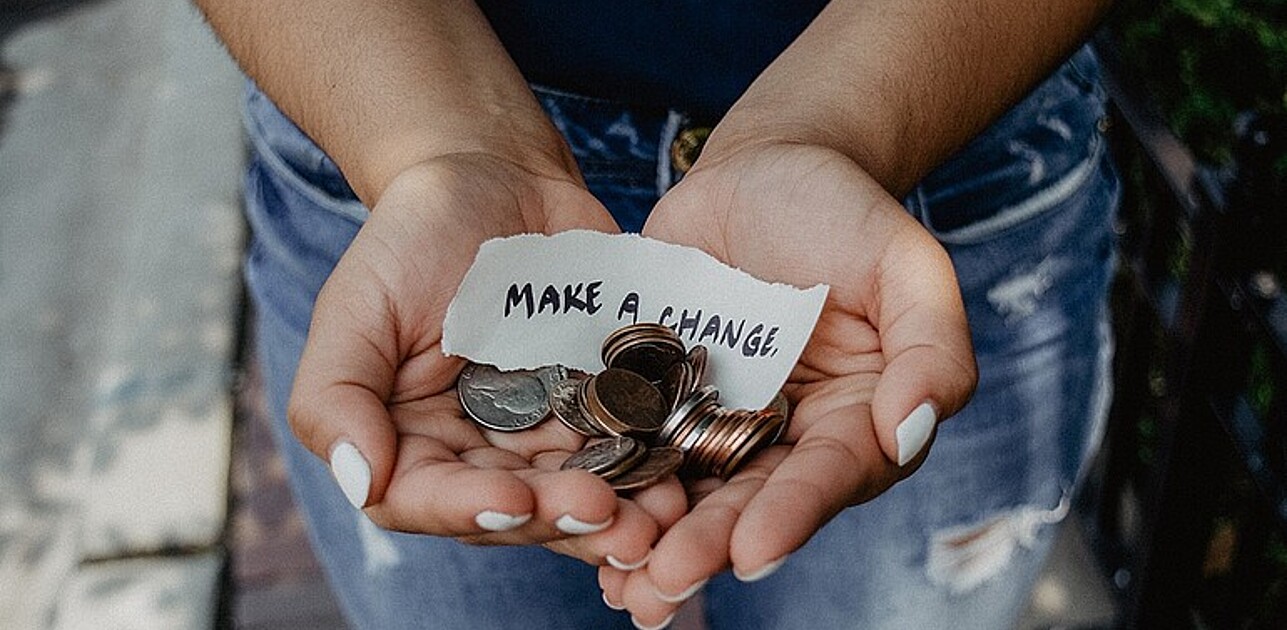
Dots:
pixel 1035 156
pixel 294 160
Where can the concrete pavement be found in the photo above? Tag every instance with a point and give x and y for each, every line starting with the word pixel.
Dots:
pixel 120 239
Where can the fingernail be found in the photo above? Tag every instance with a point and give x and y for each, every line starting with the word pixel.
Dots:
pixel 624 566
pixel 760 573
pixel 500 521
pixel 609 604
pixel 682 597
pixel 568 524
pixel 914 431
pixel 664 622
pixel 352 473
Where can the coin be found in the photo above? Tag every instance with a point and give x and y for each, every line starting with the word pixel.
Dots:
pixel 697 358
pixel 782 406
pixel 677 385
pixel 657 464
pixel 677 417
pixel 626 402
pixel 566 407
pixel 592 412
pixel 649 360
pixel 650 399
pixel 626 335
pixel 607 458
pixel 765 427
pixel 503 401
pixel 645 349
pixel 695 428
pixel 551 375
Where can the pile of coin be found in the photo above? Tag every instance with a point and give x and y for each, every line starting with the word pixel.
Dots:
pixel 647 413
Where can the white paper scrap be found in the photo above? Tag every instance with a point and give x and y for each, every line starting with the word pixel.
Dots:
pixel 533 300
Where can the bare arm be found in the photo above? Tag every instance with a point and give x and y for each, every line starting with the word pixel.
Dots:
pixel 437 132
pixel 798 184
pixel 384 85
pixel 897 85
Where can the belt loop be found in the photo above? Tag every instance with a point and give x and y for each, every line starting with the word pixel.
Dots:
pixel 669 129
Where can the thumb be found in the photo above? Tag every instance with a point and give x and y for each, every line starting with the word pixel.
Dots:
pixel 345 374
pixel 930 372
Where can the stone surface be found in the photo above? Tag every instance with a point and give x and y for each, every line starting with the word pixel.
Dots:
pixel 120 158
pixel 143 593
pixel 162 406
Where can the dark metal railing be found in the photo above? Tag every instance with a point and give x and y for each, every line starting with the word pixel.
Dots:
pixel 1190 496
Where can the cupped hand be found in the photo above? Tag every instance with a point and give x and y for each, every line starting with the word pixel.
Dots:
pixel 375 397
pixel 890 356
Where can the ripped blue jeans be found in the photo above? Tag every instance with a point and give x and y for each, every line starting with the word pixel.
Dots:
pixel 1026 213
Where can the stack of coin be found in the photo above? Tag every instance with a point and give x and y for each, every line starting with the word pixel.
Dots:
pixel 645 349
pixel 623 403
pixel 729 436
pixel 610 403
pixel 647 413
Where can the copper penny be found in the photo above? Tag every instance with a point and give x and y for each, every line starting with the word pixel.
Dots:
pixel 627 400
pixel 659 463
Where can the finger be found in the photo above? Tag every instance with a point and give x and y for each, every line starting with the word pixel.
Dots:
pixel 639 596
pixel 836 463
pixel 434 491
pixel 571 502
pixel 613 583
pixel 666 502
pixel 625 545
pixel 929 371
pixel 572 209
pixel 345 374
pixel 697 547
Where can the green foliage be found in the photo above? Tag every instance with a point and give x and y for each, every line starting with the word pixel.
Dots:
pixel 1207 60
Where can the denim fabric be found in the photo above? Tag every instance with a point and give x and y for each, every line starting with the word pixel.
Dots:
pixel 1026 213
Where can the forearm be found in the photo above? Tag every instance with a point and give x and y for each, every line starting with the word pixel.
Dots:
pixel 897 85
pixel 384 85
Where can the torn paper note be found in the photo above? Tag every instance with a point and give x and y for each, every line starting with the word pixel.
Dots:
pixel 533 300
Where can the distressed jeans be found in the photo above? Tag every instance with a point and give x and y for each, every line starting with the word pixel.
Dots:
pixel 1026 213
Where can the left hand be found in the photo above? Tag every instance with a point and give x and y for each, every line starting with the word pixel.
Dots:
pixel 892 336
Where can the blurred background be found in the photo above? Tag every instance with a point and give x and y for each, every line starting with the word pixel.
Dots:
pixel 138 483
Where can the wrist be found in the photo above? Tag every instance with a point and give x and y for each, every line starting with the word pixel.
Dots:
pixel 868 142
pixel 531 146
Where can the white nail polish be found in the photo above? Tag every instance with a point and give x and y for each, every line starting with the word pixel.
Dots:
pixel 568 524
pixel 352 473
pixel 682 597
pixel 664 622
pixel 500 521
pixel 628 566
pixel 914 431
pixel 611 605
pixel 760 573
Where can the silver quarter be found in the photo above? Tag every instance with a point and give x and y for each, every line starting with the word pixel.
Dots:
pixel 503 401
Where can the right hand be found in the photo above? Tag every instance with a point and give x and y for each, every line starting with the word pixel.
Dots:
pixel 373 375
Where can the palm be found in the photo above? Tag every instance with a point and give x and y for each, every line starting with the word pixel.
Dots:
pixel 374 352
pixel 805 215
